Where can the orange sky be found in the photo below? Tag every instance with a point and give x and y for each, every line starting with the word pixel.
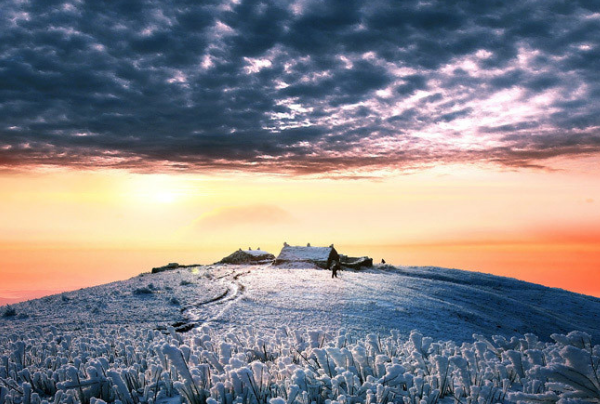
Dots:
pixel 66 229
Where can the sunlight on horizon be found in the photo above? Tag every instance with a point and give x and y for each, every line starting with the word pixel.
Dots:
pixel 448 216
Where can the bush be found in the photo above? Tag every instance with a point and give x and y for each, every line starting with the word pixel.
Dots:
pixel 143 291
pixel 9 312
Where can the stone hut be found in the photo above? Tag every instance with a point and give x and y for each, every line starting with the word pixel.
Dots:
pixel 249 256
pixel 319 256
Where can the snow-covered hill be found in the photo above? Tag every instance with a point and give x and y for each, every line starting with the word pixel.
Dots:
pixel 253 334
pixel 441 303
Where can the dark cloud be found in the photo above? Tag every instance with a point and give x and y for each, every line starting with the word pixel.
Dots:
pixel 411 83
pixel 299 87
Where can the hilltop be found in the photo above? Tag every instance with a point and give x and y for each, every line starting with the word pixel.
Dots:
pixel 441 303
pixel 258 334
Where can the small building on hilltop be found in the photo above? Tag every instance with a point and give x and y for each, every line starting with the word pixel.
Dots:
pixel 319 256
pixel 248 256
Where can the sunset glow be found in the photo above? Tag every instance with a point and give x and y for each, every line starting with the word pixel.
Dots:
pixel 67 229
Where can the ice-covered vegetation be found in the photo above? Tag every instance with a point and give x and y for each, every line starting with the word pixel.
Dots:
pixel 134 366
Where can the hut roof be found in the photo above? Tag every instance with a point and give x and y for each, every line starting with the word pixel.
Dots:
pixel 247 256
pixel 293 253
pixel 257 253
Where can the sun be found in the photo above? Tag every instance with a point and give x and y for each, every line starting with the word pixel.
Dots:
pixel 164 197
pixel 156 190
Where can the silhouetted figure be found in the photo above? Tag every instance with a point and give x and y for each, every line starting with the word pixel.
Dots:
pixel 382 261
pixel 335 267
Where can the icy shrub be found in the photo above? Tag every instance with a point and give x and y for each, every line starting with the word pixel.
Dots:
pixel 575 372
pixel 124 365
pixel 9 311
pixel 143 291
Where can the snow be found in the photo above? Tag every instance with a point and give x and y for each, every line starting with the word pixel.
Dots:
pixel 294 253
pixel 259 334
pixel 256 253
pixel 441 303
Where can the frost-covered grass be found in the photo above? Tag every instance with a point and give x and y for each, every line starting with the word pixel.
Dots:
pixel 147 300
pixel 130 365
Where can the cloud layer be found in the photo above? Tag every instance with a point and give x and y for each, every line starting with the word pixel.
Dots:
pixel 297 87
pixel 240 216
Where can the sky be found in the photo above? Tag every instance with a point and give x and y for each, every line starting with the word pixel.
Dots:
pixel 458 134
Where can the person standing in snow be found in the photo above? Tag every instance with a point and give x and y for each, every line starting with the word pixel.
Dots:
pixel 335 267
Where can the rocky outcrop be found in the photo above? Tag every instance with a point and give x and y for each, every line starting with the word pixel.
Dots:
pixel 241 257
pixel 169 267
pixel 356 262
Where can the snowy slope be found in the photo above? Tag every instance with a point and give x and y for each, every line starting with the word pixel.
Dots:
pixel 265 335
pixel 441 303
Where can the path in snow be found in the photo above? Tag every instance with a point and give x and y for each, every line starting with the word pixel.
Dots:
pixel 200 314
